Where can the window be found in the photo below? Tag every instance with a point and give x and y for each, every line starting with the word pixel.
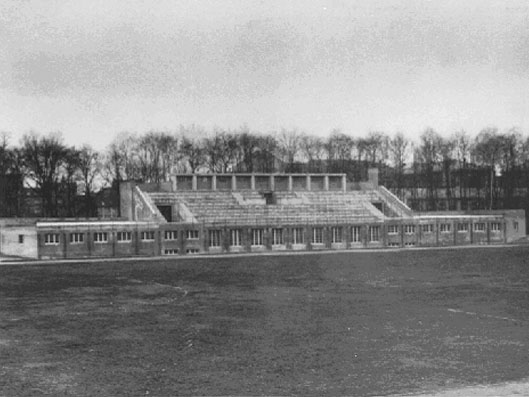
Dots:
pixel 409 244
pixel 444 227
pixel 21 239
pixel 427 228
pixel 409 229
pixel 297 235
pixel 124 237
pixel 215 237
pixel 277 237
pixel 479 227
pixel 393 229
pixel 101 237
pixel 337 235
pixel 257 237
pixel 171 251
pixel 192 234
pixel 393 244
pixel 462 227
pixel 355 234
pixel 495 227
pixel 147 236
pixel 76 238
pixel 192 251
pixel 51 238
pixel 170 235
pixel 235 238
pixel 317 235
pixel 374 233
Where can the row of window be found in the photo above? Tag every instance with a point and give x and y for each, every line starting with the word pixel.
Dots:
pixel 99 237
pixel 102 237
pixel 277 236
pixel 444 228
pixel 257 235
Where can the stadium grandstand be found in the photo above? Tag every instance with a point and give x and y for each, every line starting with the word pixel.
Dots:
pixel 223 213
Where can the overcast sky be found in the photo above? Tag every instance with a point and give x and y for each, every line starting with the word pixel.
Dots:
pixel 93 68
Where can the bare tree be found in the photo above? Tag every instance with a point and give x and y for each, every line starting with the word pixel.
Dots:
pixel 266 154
pixel 376 147
pixel 120 163
pixel 5 153
pixel 312 149
pixel 221 150
pixel 487 151
pixel 156 153
pixel 43 157
pixel 89 168
pixel 428 156
pixel 446 154
pixel 511 146
pixel 462 153
pixel 398 147
pixel 193 154
pixel 289 147
pixel 68 185
pixel 248 145
pixel 339 150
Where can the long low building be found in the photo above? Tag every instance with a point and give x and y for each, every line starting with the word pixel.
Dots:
pixel 220 213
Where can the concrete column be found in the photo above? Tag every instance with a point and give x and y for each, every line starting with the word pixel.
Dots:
pixel 272 183
pixel 344 183
pixel 326 183
pixel 308 183
pixel 373 176
pixel 194 182
pixel 214 182
pixel 252 182
pixel 126 200
pixel 233 182
pixel 290 183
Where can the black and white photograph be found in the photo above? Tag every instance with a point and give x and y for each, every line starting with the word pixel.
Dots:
pixel 264 198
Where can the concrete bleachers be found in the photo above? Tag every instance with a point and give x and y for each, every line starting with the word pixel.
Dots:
pixel 249 207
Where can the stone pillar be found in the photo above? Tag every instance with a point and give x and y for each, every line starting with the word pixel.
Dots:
pixel 194 182
pixel 326 183
pixel 233 182
pixel 214 182
pixel 126 200
pixel 344 182
pixel 290 183
pixel 272 183
pixel 308 183
pixel 252 182
pixel 372 176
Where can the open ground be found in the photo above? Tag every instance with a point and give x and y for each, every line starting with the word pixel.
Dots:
pixel 361 323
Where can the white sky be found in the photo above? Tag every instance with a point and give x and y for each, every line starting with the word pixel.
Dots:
pixel 93 68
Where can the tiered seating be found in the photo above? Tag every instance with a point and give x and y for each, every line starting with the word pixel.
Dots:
pixel 250 208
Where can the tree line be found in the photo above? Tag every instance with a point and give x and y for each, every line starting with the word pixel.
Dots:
pixel 486 170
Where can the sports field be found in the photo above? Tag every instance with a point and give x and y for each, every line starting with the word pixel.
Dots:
pixel 358 323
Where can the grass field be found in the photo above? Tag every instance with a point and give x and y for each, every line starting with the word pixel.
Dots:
pixel 331 324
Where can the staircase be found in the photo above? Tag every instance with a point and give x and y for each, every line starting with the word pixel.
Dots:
pixel 394 204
